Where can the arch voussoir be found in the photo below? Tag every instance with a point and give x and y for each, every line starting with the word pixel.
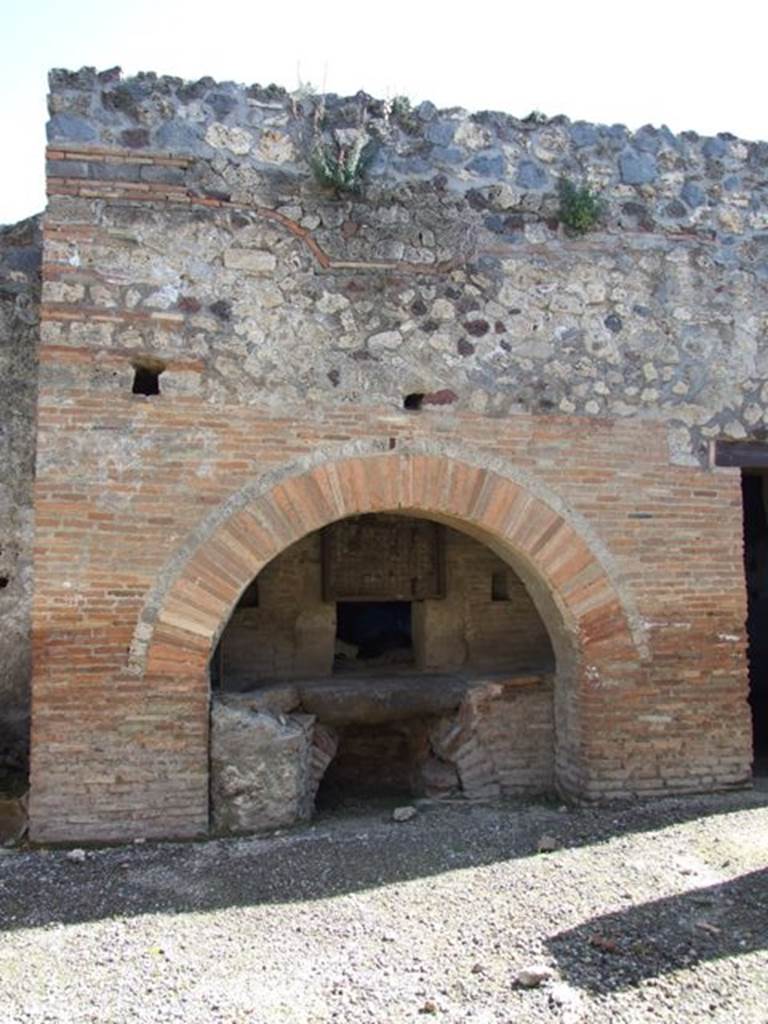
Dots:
pixel 201 598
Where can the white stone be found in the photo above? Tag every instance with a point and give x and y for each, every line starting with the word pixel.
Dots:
pixel 332 302
pixel 536 233
pixel 471 135
pixel 533 975
pixel 404 813
pixel 291 212
pixel 550 144
pixel 442 343
pixel 620 408
pixel 753 414
pixel 384 340
pixel 275 147
pixel 163 298
pixel 221 136
pixel 569 1001
pixel 270 297
pixel 442 309
pixel 734 429
pixel 252 261
pixel 731 220
pixel 76 856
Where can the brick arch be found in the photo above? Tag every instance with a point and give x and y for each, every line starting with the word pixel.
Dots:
pixel 579 602
pixel 522 527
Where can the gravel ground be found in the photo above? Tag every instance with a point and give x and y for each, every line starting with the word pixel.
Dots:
pixel 645 912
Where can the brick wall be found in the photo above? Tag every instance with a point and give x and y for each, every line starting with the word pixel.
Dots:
pixel 292 631
pixel 281 409
pixel 116 754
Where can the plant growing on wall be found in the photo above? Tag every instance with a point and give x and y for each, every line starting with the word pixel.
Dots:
pixel 342 165
pixel 580 208
pixel 401 113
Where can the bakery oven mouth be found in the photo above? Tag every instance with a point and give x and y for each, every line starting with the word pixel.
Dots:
pixel 373 636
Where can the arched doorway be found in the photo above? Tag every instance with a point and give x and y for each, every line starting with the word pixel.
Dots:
pixel 396 657
pixel 596 646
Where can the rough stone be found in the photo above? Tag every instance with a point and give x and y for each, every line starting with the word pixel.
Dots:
pixel 637 168
pixel 260 769
pixel 693 194
pixel 404 813
pixel 179 136
pixel 70 128
pixel 252 261
pixel 487 165
pixel 715 148
pixel 531 175
pixel 222 136
pixel 533 975
pixel 384 340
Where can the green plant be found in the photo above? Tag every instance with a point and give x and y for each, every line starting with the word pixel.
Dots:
pixel 342 166
pixel 580 208
pixel 402 113
pixel 401 107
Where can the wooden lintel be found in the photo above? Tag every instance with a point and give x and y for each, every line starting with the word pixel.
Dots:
pixel 745 454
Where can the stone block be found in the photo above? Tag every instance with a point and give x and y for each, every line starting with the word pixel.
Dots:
pixel 70 128
pixel 252 261
pixel 260 769
pixel 637 168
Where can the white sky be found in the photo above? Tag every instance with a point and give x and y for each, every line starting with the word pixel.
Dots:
pixel 690 65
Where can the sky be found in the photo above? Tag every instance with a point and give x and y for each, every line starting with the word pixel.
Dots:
pixel 698 66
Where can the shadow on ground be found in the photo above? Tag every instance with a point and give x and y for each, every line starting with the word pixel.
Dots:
pixel 348 852
pixel 666 935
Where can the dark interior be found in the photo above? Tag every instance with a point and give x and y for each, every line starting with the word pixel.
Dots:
pixel 755 492
pixel 379 760
pixel 371 634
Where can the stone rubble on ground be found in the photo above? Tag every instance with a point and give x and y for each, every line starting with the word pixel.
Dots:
pixel 404 813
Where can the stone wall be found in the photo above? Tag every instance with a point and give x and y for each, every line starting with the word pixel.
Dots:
pixel 481 297
pixel 292 631
pixel 471 630
pixel 20 255
pixel 568 388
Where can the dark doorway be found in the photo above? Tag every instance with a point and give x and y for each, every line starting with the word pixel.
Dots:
pixel 754 485
pixel 376 761
pixel 373 634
